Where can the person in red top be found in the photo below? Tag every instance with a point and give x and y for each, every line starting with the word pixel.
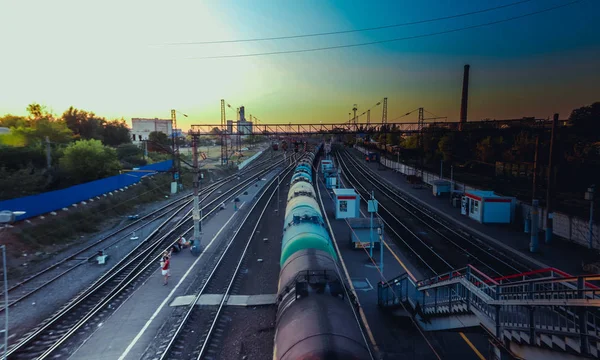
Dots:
pixel 166 267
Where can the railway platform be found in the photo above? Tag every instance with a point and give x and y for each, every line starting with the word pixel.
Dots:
pixel 559 254
pixel 134 326
pixel 394 337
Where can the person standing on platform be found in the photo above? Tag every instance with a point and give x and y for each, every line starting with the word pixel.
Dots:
pixel 165 266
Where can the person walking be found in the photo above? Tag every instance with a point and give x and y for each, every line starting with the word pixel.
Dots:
pixel 165 266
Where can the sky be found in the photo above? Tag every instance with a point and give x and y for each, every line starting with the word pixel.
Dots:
pixel 125 58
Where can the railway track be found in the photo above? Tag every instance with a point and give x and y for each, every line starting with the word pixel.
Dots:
pixel 194 336
pixel 438 245
pixel 40 280
pixel 92 304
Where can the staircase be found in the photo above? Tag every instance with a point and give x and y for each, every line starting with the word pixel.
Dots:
pixel 544 313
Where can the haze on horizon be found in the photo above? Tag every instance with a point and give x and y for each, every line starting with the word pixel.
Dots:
pixel 113 58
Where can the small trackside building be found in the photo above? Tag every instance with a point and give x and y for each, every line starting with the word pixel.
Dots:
pixel 326 164
pixel 347 203
pixel 487 207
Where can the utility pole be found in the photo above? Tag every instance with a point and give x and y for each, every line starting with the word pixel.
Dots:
pixel 354 109
pixel 223 133
pixel 549 204
pixel 48 154
pixel 368 117
pixel 384 111
pixel 535 167
pixel 173 141
pixel 196 210
pixel 420 143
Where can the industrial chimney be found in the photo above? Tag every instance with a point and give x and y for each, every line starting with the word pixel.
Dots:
pixel 465 97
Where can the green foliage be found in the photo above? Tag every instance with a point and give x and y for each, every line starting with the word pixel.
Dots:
pixel 22 182
pixel 11 121
pixel 586 121
pixel 130 155
pixel 14 158
pixel 88 160
pixel 160 137
pixel 489 148
pixel 155 157
pixel 446 146
pixel 409 142
pixel 115 133
pixel 86 125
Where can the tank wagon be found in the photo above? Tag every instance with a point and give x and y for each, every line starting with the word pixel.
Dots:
pixel 314 319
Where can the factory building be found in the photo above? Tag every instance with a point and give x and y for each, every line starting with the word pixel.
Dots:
pixel 141 128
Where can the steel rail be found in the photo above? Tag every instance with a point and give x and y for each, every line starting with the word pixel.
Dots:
pixel 242 256
pixel 35 276
pixel 424 246
pixel 115 271
pixel 185 320
pixel 389 190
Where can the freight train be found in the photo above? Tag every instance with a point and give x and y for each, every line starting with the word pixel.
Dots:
pixel 315 319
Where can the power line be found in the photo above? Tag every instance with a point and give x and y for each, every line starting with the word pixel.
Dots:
pixel 389 40
pixel 401 116
pixel 352 31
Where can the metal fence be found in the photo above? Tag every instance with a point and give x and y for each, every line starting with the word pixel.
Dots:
pixel 54 200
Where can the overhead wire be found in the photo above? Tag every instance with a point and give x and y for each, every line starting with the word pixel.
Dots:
pixel 388 40
pixel 351 31
pixel 401 116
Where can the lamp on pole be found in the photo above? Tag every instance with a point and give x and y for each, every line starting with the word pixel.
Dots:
pixel 6 217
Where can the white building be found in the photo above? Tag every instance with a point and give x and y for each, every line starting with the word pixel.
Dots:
pixel 141 128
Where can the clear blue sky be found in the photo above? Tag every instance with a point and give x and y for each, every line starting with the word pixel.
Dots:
pixel 111 57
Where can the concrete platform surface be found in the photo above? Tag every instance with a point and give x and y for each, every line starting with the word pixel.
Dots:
pixel 133 326
pixel 232 300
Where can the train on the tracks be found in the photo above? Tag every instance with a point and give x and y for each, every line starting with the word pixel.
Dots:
pixel 275 146
pixel 315 318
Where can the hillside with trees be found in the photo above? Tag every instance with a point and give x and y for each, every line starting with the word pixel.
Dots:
pixel 82 147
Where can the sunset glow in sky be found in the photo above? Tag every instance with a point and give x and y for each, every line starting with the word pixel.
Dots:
pixel 112 57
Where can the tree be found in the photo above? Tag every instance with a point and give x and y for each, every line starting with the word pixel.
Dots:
pixel 13 121
pixel 158 141
pixel 116 133
pixel 87 160
pixel 586 121
pixel 446 146
pixel 130 155
pixel 36 110
pixel 488 148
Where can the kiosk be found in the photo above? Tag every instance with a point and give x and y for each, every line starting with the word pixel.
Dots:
pixel 487 207
pixel 347 203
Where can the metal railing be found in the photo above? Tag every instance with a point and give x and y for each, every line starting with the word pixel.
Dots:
pixel 546 301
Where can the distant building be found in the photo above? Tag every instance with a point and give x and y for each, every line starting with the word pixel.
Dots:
pixel 141 128
pixel 245 127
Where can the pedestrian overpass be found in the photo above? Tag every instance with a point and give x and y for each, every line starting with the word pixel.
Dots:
pixel 542 314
